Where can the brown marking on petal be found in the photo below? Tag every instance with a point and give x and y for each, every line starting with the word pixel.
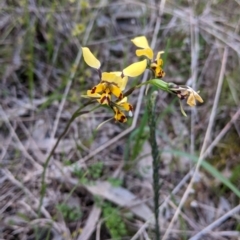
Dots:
pixel 121 96
pixel 153 68
pixel 113 83
pixel 93 90
pixel 130 107
pixel 105 98
pixel 122 75
pixel 160 74
pixel 181 96
pixel 122 119
pixel 102 100
pixel 108 100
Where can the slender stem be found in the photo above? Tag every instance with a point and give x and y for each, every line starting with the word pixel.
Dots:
pixel 156 159
pixel 43 184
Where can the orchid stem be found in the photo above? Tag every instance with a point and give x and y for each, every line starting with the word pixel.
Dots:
pixel 43 184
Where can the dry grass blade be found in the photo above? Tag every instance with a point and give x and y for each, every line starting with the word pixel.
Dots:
pixel 216 223
pixel 90 224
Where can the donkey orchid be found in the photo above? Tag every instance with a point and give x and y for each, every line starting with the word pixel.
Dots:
pixel 157 63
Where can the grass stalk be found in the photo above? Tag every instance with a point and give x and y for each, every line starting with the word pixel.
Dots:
pixel 156 160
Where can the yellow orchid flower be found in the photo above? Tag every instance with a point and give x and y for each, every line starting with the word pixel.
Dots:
pixel 184 92
pixel 118 109
pixel 157 63
pixel 111 83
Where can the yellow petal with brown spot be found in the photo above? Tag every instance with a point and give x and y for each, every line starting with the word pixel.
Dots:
pixel 116 91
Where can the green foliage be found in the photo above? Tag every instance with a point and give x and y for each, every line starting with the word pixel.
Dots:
pixel 81 175
pixel 114 221
pixel 95 170
pixel 92 173
pixel 115 182
pixel 69 213
pixel 212 170
pixel 137 139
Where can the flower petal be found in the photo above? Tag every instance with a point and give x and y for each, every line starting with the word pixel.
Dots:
pixel 159 55
pixel 120 81
pixel 106 97
pixel 198 97
pixel 108 76
pixel 191 100
pixel 148 52
pixel 90 59
pixel 119 115
pixel 116 91
pixel 141 42
pixel 135 69
pixel 115 77
pixel 93 95
pixel 127 106
pixel 98 88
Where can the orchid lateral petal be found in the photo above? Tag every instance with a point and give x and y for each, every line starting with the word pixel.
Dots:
pixel 98 88
pixel 148 52
pixel 116 91
pixel 122 101
pixel 127 106
pixel 135 69
pixel 141 42
pixel 90 59
pixel 94 95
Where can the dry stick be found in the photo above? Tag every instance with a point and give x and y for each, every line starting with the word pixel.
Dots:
pixel 206 139
pixel 194 70
pixel 216 223
pixel 12 179
pixel 27 155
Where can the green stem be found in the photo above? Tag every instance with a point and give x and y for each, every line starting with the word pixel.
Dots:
pixel 156 159
pixel 43 184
